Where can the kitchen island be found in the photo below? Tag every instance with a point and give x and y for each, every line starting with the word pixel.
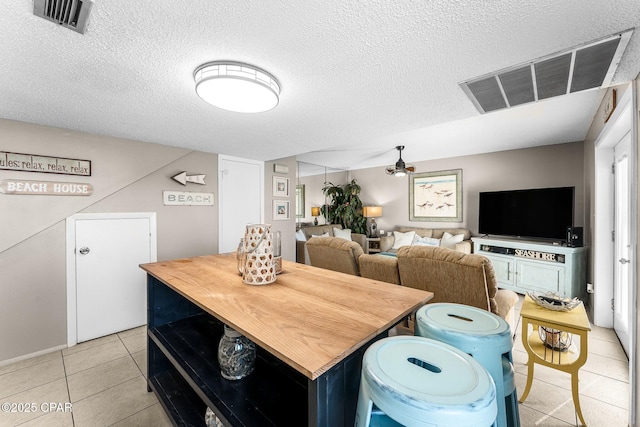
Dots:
pixel 311 328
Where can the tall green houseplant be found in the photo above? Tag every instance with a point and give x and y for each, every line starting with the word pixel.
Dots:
pixel 343 206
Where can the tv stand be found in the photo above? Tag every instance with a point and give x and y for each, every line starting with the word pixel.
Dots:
pixel 523 266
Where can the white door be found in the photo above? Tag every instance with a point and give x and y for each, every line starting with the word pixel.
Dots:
pixel 622 292
pixel 111 292
pixel 241 192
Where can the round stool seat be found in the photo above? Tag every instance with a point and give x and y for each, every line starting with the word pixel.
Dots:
pixel 483 335
pixel 422 382
pixel 458 323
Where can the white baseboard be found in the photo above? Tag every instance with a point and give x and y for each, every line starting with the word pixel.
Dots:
pixel 30 355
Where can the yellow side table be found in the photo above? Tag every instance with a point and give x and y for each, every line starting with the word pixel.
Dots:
pixel 574 322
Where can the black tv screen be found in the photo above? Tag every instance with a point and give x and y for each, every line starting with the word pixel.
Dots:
pixel 540 213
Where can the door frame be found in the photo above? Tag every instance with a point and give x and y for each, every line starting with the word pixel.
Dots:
pixel 614 130
pixel 627 339
pixel 221 171
pixel 72 318
pixel 622 121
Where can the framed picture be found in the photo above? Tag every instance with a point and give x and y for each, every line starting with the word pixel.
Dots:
pixel 280 186
pixel 436 196
pixel 300 201
pixel 280 210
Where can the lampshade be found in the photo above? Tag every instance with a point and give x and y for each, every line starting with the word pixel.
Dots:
pixel 236 87
pixel 315 211
pixel 372 211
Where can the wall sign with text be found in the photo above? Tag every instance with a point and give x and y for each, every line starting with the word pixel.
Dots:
pixel 31 163
pixel 186 198
pixel 45 188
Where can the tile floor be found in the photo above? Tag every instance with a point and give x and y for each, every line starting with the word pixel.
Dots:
pixel 104 381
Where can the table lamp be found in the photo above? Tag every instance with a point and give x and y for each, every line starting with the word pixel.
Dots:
pixel 315 212
pixel 372 212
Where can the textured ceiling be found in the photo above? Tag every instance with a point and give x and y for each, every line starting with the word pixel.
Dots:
pixel 358 77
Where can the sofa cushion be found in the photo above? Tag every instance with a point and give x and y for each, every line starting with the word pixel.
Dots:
pixel 422 232
pixel 426 241
pixel 449 241
pixel 402 239
pixel 439 232
pixel 300 237
pixel 342 233
pixel 319 230
pixel 325 234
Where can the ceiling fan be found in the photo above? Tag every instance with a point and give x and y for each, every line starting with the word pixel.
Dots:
pixel 400 168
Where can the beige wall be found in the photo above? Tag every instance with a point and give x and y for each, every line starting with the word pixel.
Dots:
pixel 286 228
pixel 128 176
pixel 548 166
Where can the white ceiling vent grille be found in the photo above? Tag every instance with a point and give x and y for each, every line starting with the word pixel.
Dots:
pixel 72 14
pixel 582 68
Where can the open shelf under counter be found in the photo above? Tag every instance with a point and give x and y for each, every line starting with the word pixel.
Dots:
pixel 311 329
pixel 271 395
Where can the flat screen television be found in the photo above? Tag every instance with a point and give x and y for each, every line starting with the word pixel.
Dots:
pixel 539 213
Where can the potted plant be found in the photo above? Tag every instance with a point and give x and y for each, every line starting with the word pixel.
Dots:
pixel 344 206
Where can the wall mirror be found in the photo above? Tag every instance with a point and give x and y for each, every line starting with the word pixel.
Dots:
pixel 310 179
pixel 300 201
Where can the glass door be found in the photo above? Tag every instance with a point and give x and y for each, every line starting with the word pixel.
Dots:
pixel 622 293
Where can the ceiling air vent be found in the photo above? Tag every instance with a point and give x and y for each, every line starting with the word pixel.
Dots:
pixel 585 67
pixel 72 14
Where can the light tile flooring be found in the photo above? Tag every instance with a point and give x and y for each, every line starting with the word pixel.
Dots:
pixel 104 381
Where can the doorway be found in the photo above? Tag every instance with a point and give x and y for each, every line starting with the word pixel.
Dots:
pixel 622 273
pixel 610 298
pixel 106 289
pixel 241 195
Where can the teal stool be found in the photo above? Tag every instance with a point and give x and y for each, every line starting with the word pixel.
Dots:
pixel 415 381
pixel 483 335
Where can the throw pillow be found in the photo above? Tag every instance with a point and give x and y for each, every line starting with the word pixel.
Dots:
pixel 325 234
pixel 300 236
pixel 343 233
pixel 449 241
pixel 402 239
pixel 426 241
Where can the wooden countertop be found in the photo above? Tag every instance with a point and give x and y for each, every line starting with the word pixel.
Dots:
pixel 310 318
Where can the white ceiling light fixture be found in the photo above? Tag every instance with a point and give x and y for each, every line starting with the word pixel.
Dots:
pixel 400 168
pixel 235 86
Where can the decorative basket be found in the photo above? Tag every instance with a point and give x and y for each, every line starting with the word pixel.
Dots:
pixel 553 301
pixel 555 339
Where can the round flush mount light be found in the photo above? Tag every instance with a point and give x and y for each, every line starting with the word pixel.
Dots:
pixel 235 86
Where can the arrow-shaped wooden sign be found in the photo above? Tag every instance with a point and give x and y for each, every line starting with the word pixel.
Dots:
pixel 183 178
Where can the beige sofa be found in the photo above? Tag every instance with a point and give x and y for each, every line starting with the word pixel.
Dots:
pixel 452 276
pixel 465 246
pixel 302 255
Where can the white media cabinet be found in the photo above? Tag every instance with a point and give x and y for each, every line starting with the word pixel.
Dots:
pixel 533 266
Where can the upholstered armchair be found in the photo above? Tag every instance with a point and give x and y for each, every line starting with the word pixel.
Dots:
pixel 457 278
pixel 334 253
